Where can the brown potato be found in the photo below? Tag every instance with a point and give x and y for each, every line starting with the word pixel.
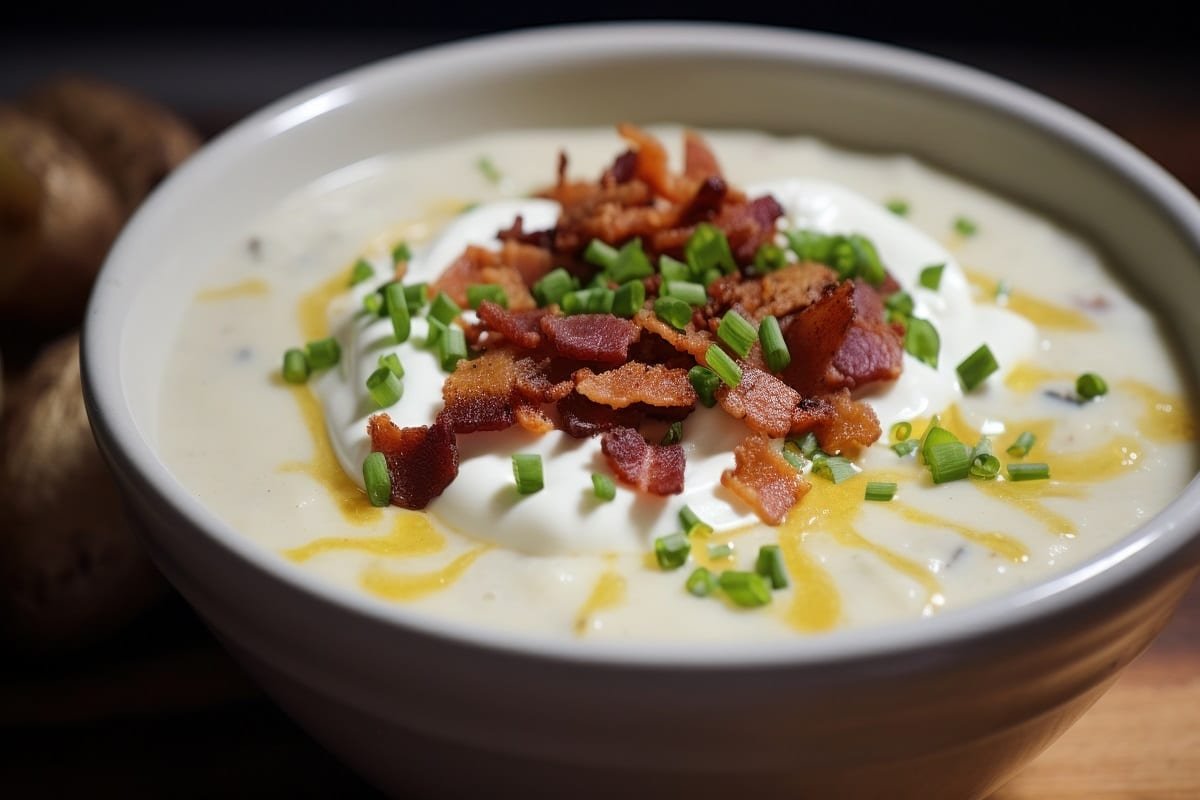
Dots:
pixel 134 142
pixel 58 217
pixel 71 570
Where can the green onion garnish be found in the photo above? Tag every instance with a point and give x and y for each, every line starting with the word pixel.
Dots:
pixel 363 271
pixel 416 295
pixel 725 367
pixel 377 480
pixel 575 302
pixel 985 466
pixel 688 518
pixel 478 292
pixel 1089 385
pixel 948 461
pixel 833 468
pixel 976 367
pixel 921 340
pixel 373 304
pixel 323 353
pixel 769 257
pixel 437 331
pixel 707 248
pixel 934 436
pixel 906 447
pixel 295 366
pixel 527 471
pixel 631 263
pixel 603 486
pixel 808 444
pixel 770 565
pixel 1021 447
pixel 709 275
pixel 392 362
pixel 701 582
pixel 867 263
pixel 674 433
pixel 489 170
pixel 1028 472
pixel 706 383
pixel 553 285
pixel 811 245
pixel 880 491
pixel 444 309
pixel 691 293
pixel 719 551
pixel 629 299
pixel 792 456
pixel 901 431
pixel 673 311
pixel 900 303
pixel 600 301
pixel 746 589
pixel 931 276
pixel 396 303
pixel 384 386
pixel 673 270
pixel 965 226
pixel 897 206
pixel 599 281
pixel 774 348
pixel 452 347
pixel 736 332
pixel 672 550
pixel 600 254
pixel 401 253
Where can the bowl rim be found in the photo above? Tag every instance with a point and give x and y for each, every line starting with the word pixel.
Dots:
pixel 1147 547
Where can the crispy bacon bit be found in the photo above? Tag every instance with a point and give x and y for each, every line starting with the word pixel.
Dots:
pixel 622 169
pixel 516 293
pixel 478 394
pixel 852 426
pixel 705 203
pixel 591 337
pixel 765 403
pixel 534 382
pixel 814 338
pixel 811 413
pixel 523 329
pixel 531 417
pixel 582 418
pixel 517 233
pixel 780 293
pixel 688 340
pixel 422 461
pixel 635 382
pixel 464 271
pixel 872 350
pixel 530 261
pixel 653 468
pixel 698 159
pixel 651 164
pixel 764 479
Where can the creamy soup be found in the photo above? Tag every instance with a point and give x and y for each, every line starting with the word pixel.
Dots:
pixel 283 463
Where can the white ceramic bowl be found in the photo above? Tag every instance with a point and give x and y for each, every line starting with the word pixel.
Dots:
pixel 943 707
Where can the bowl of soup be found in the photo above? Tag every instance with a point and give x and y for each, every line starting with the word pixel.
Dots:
pixel 664 409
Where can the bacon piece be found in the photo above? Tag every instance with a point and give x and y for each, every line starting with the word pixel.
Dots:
pixel 523 329
pixel 464 271
pixel 779 293
pixel 705 203
pixel 852 426
pixel 582 418
pixel 748 226
pixel 421 461
pixel 872 350
pixel 478 394
pixel 651 164
pixel 765 403
pixel 635 382
pixel 689 340
pixel 698 159
pixel 812 413
pixel 534 382
pixel 591 337
pixel 530 261
pixel 764 479
pixel 622 170
pixel 531 417
pixel 516 293
pixel 814 338
pixel 654 468
pixel 517 233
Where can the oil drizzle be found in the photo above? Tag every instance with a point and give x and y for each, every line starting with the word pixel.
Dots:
pixel 999 543
pixel 404 587
pixel 251 287
pixel 1165 417
pixel 412 535
pixel 1037 311
pixel 608 593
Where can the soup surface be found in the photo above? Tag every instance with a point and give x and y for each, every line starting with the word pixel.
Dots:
pixel 282 462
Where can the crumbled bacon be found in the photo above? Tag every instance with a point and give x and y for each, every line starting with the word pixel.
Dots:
pixel 478 394
pixel 780 293
pixel 689 340
pixel 654 468
pixel 764 479
pixel 421 461
pixel 591 337
pixel 765 403
pixel 699 162
pixel 872 350
pixel 635 382
pixel 523 328
pixel 851 427
pixel 814 337
pixel 582 418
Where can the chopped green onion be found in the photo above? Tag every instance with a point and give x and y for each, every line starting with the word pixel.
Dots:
pixel 673 270
pixel 1021 447
pixel 373 304
pixel 672 550
pixel 809 445
pixel 899 302
pixel 363 271
pixel 553 285
pixel 478 292
pixel 600 254
pixel 933 437
pixel 437 332
pixel 401 253
pixel 323 353
pixel 452 347
pixel 770 565
pixel 396 304
pixel 295 366
pixel 489 170
pixel 1089 385
pixel 948 461
pixel 774 348
pixel 706 383
pixel 934 422
pixel 985 466
pixel 769 257
pixel 833 468
pixel 674 433
pixel 976 367
pixel 965 226
pixel 599 281
pixel 392 362
pixel 631 263
pixel 866 260
pixel 792 456
pixel 600 301
pixel 880 491
pixel 719 551
pixel 982 448
pixel 527 471
pixel 603 486
pixel 931 276
pixel 1028 472
pixel 629 299
pixel 921 340
pixel 811 245
pixel 444 309
pixel 385 388
pixel 673 311
pixel 377 479
pixel 709 275
pixel 906 447
pixel 897 206
pixel 576 302
pixel 726 368
pixel 746 589
pixel 691 293
pixel 736 332
pixel 688 518
pixel 416 295
pixel 701 582
pixel 707 248
pixel 901 431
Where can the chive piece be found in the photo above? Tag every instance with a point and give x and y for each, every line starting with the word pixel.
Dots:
pixel 631 263
pixel 774 348
pixel 707 248
pixel 725 367
pixel 842 257
pixel 706 383
pixel 452 347
pixel 600 254
pixel 1089 385
pixel 719 551
pixel 880 491
pixel 701 582
pixel 833 468
pixel 931 276
pixel 811 245
pixel 553 285
pixel 600 301
pixel 934 436
pixel 489 170
pixel 688 518
pixel 295 366
pixel 1021 447
pixel 437 332
pixel 575 302
pixel 323 353
pixel 416 295
pixel 905 448
pixel 793 456
pixel 673 311
pixel 674 433
pixel 709 275
pixel 673 270
pixel 599 281
pixel 478 292
pixel 401 253
pixel 745 589
pixel 1029 472
pixel 736 332
pixel 444 309
pixel 965 226
pixel 866 260
pixel 769 257
pixel 603 486
pixel 770 565
pixel 373 304
pixel 691 293
pixel 901 431
pixel 808 444
pixel 527 472
pixel 982 448
pixel 377 480
pixel 976 367
pixel 362 271
pixel 672 550
pixel 384 386
pixel 392 362
pixel 396 304
pixel 921 340
pixel 899 302
pixel 629 299
pixel 897 206
pixel 985 466
pixel 948 461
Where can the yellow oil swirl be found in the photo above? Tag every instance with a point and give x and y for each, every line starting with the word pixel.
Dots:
pixel 313 310
pixel 1165 417
pixel 999 543
pixel 608 593
pixel 1027 377
pixel 411 535
pixel 1026 496
pixel 1037 311
pixel 251 287
pixel 408 586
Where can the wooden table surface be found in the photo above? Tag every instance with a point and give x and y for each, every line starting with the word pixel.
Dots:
pixel 162 710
